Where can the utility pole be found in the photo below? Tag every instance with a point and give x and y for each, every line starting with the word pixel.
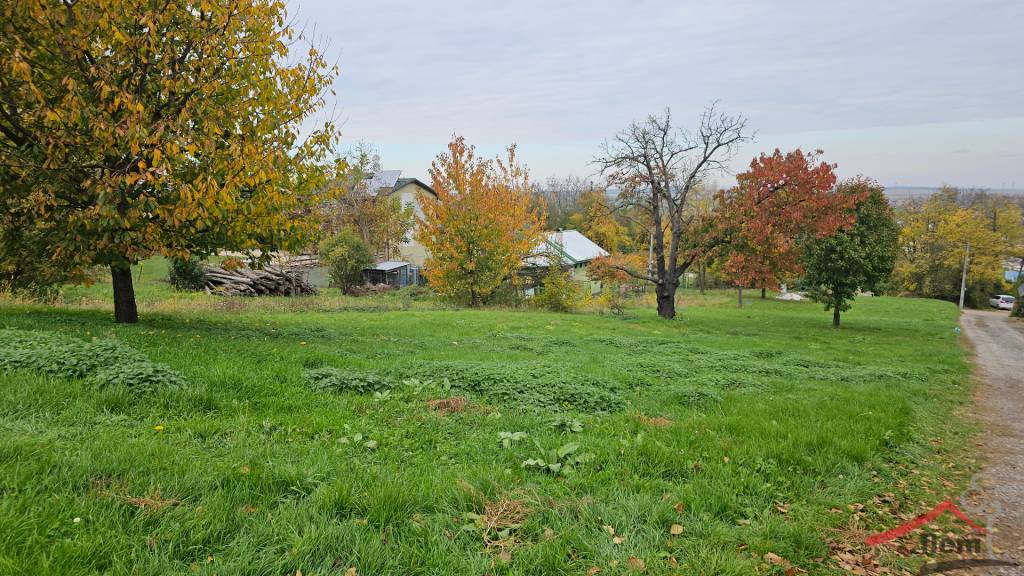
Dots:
pixel 963 277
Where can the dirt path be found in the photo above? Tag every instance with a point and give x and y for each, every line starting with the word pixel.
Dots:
pixel 999 347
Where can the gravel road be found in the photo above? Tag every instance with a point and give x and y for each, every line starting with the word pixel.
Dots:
pixel 998 342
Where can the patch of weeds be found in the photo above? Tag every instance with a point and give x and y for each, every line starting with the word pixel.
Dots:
pixel 525 384
pixel 566 424
pixel 561 461
pixel 507 439
pixel 359 439
pixel 641 370
pixel 143 376
pixel 693 397
pixel 726 381
pixel 338 380
pixel 100 362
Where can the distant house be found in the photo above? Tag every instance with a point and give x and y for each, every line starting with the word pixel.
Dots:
pixel 410 192
pixel 570 249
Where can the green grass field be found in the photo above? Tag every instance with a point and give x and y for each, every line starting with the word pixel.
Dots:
pixel 701 445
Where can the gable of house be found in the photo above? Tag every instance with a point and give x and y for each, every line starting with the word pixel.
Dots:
pixel 410 192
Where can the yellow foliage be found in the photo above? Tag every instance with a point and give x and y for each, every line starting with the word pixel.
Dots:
pixel 482 225
pixel 138 128
pixel 934 238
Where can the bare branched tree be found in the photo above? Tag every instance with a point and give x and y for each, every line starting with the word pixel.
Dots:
pixel 657 167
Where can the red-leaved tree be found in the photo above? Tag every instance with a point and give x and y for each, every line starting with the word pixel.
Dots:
pixel 780 200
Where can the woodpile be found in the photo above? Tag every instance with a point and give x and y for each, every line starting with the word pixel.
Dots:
pixel 284 280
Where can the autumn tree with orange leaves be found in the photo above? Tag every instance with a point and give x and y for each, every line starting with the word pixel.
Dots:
pixel 482 225
pixel 781 200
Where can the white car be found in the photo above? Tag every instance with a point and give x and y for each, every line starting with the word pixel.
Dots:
pixel 1002 301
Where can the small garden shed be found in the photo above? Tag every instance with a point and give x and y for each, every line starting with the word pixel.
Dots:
pixel 392 273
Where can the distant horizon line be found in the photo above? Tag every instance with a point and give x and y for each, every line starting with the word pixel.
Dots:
pixel 960 187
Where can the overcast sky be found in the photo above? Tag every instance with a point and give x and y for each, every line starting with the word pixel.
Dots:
pixel 908 92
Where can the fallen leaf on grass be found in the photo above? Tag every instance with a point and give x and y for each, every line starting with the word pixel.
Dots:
pixel 675 530
pixel 637 563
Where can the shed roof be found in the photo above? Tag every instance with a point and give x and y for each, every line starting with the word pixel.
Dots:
pixel 387 266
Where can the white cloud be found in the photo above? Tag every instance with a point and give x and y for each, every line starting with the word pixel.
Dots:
pixel 563 75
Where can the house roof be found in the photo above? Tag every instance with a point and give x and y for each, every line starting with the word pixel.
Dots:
pixel 382 179
pixel 387 266
pixel 570 246
pixel 392 181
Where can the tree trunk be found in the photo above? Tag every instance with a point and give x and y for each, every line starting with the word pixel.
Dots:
pixel 701 275
pixel 125 311
pixel 739 296
pixel 666 300
pixel 835 317
pixel 762 293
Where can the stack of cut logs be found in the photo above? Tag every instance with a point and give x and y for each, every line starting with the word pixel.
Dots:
pixel 284 280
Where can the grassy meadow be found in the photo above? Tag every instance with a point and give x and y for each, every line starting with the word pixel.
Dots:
pixel 372 436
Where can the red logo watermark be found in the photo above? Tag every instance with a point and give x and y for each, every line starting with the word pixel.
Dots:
pixel 934 545
pixel 923 519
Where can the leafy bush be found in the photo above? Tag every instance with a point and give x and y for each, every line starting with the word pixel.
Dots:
pixel 559 292
pixel 612 299
pixel 345 255
pixel 101 362
pixel 187 274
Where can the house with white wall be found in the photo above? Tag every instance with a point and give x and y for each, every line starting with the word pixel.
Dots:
pixel 410 192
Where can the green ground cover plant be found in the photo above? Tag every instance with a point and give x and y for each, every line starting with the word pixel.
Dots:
pixel 394 442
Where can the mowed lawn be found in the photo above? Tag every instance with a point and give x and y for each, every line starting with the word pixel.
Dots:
pixel 701 445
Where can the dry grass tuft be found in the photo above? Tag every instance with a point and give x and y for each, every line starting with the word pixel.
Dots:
pixel 655 422
pixel 448 405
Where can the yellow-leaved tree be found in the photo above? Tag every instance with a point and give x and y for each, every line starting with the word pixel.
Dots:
pixel 130 128
pixel 483 224
pixel 935 237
